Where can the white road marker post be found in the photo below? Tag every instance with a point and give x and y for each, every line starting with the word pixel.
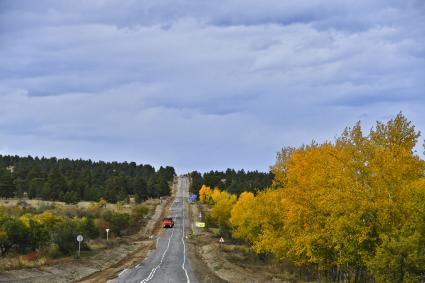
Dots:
pixel 221 241
pixel 79 239
pixel 107 234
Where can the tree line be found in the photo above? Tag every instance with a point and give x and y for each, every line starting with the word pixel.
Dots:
pixel 352 210
pixel 74 180
pixel 232 181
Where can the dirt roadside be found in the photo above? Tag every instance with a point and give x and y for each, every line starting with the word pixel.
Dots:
pixel 201 270
pixel 232 262
pixel 102 265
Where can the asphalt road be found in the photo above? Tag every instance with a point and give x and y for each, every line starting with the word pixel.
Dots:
pixel 169 261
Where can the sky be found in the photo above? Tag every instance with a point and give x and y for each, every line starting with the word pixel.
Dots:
pixel 202 85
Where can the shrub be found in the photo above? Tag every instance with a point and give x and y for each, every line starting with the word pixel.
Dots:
pixel 52 251
pixel 17 233
pixel 118 221
pixel 66 237
pixel 138 213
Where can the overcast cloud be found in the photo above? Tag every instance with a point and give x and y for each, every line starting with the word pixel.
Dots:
pixel 203 85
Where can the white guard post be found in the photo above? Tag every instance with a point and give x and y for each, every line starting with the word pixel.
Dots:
pixel 79 239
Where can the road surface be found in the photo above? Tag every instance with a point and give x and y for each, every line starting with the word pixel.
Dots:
pixel 169 261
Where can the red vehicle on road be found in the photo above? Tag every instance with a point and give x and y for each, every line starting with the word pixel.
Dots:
pixel 168 222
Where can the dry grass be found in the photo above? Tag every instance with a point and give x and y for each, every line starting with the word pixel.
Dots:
pixel 36 203
pixel 18 262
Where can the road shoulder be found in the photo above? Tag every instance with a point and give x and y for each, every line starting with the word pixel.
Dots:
pixel 232 261
pixel 200 269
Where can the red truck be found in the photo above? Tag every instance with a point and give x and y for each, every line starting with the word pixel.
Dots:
pixel 168 222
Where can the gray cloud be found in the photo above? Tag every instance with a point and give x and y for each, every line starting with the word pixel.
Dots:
pixel 202 85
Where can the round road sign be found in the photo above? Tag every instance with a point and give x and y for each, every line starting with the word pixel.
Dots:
pixel 80 238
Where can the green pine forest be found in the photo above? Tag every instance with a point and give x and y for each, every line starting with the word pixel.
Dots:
pixel 72 181
pixel 232 181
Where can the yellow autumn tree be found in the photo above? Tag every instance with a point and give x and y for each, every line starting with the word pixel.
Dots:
pixel 47 218
pixel 242 216
pixel 205 194
pixel 351 207
pixel 399 191
pixel 259 220
pixel 314 180
pixel 279 170
pixel 215 195
pixel 400 257
pixel 221 211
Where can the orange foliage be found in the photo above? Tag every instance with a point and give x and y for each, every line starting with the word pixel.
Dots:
pixel 205 194
pixel 355 203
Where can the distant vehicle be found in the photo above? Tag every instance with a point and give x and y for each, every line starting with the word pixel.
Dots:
pixel 168 222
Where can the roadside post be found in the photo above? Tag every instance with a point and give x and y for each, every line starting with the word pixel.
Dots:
pixel 107 234
pixel 79 239
pixel 221 241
